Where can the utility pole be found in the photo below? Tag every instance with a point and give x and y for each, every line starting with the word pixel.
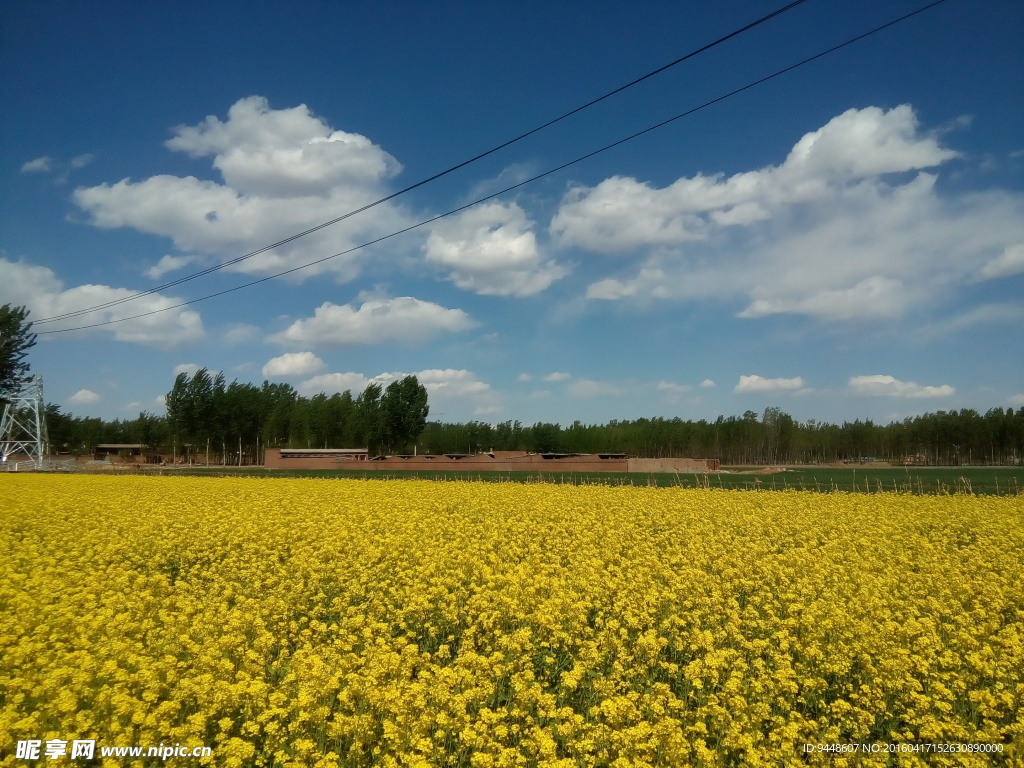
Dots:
pixel 23 425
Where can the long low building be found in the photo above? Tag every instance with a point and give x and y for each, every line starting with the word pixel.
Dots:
pixel 495 461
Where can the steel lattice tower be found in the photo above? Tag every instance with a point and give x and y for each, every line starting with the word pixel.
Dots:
pixel 23 426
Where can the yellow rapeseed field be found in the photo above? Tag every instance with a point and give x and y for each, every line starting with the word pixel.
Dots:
pixel 408 623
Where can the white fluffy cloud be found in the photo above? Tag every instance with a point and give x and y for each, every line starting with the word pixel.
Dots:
pixel 188 369
pixel 39 165
pixel 492 250
pixel 284 171
pixel 887 386
pixel 558 376
pixel 84 397
pixel 621 213
pixel 452 382
pixel 757 383
pixel 170 263
pixel 1009 262
pixel 829 233
pixel 292 365
pixel 401 319
pixel 44 294
pixel 707 383
pixel 278 152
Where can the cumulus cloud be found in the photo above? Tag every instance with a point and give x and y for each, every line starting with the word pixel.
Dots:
pixel 755 383
pixel 524 377
pixel 876 296
pixel 558 376
pixel 491 249
pixel 1009 262
pixel 42 164
pixel 707 383
pixel 47 164
pixel 283 171
pixel 277 151
pixel 401 319
pixel 44 294
pixel 84 397
pixel 1017 399
pixel 292 365
pixel 452 382
pixel 170 263
pixel 188 369
pixel 887 386
pixel 650 281
pixel 622 213
pixel 831 232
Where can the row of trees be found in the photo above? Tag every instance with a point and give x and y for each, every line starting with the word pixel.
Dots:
pixel 236 421
pixel 233 423
pixel 944 437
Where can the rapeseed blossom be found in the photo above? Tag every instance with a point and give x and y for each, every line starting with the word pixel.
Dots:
pixel 405 623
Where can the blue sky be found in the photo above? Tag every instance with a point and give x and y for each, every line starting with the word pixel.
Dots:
pixel 845 241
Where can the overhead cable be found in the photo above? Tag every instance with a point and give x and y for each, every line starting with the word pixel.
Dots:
pixel 428 180
pixel 548 172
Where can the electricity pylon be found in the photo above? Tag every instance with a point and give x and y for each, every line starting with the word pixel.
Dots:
pixel 23 426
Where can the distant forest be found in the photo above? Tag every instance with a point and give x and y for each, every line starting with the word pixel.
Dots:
pixel 233 423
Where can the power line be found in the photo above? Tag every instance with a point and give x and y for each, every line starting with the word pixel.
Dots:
pixel 423 182
pixel 548 172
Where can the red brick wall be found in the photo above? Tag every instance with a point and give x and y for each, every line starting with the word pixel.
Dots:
pixel 500 461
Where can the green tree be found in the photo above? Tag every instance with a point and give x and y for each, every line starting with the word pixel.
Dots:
pixel 16 339
pixel 277 412
pixel 179 411
pixel 368 408
pixel 547 438
pixel 61 429
pixel 404 412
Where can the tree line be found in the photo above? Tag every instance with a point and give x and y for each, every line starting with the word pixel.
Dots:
pixel 773 437
pixel 233 423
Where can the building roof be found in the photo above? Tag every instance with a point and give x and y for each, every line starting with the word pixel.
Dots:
pixel 324 451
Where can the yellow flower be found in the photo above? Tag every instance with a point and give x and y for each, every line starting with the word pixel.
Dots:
pixel 310 623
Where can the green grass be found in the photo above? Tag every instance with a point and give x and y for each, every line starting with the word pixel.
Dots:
pixel 934 480
pixel 917 480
